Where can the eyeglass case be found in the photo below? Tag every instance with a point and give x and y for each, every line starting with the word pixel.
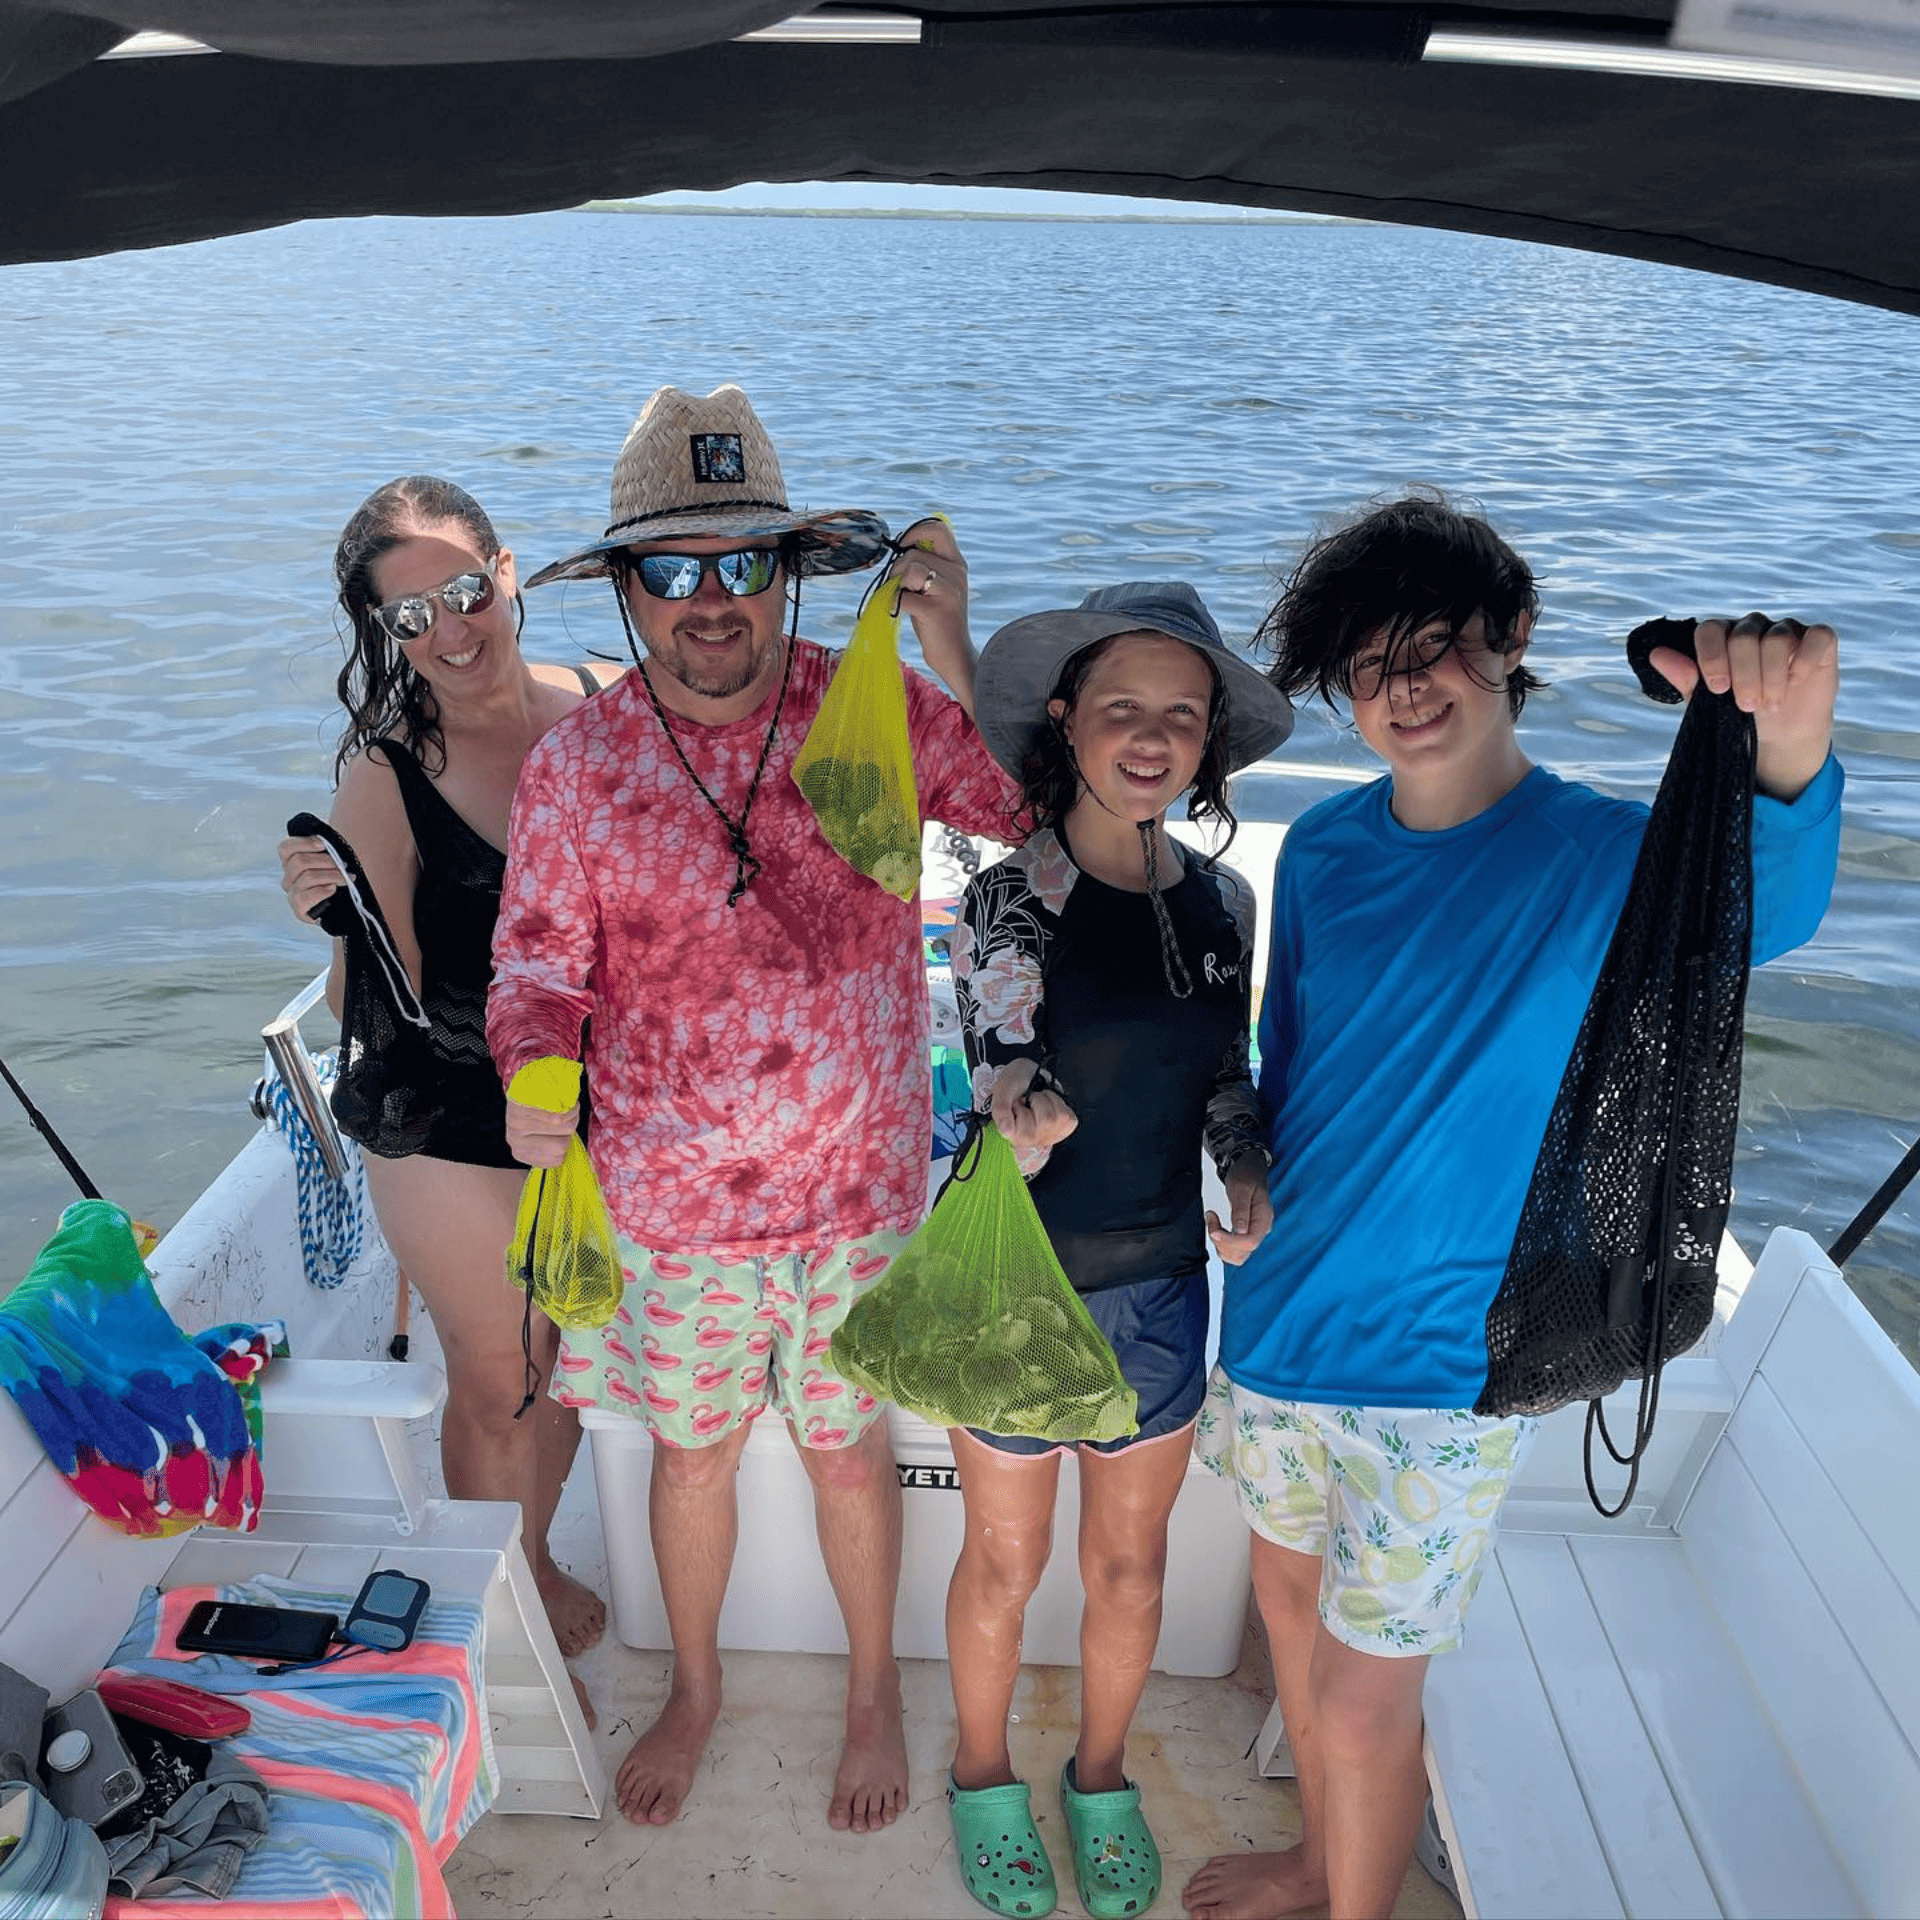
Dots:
pixel 173 1705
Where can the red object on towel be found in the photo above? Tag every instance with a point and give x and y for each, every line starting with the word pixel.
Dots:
pixel 173 1705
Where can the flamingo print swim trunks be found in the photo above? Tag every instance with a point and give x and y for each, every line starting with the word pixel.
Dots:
pixel 700 1345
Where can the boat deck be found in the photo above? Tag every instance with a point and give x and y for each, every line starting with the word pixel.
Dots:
pixel 753 1838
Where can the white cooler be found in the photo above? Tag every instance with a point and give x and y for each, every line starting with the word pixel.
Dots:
pixel 779 1598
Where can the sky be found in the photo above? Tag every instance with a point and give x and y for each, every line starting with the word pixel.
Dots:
pixel 877 194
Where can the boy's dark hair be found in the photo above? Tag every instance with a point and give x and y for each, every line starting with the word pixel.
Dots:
pixel 1050 780
pixel 1398 567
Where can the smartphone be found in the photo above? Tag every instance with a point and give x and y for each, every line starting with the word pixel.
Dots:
pixel 291 1634
pixel 386 1612
pixel 90 1775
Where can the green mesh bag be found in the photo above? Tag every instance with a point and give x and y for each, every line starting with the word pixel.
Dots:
pixel 976 1325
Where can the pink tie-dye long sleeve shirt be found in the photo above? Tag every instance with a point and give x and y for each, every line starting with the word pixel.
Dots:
pixel 759 1073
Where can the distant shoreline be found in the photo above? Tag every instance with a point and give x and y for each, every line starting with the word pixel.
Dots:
pixel 958 213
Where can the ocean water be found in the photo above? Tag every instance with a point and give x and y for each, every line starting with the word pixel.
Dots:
pixel 183 432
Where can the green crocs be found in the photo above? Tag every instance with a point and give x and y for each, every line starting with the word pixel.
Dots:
pixel 1002 1857
pixel 1116 1865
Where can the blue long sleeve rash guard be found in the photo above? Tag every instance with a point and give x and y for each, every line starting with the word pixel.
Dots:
pixel 1423 993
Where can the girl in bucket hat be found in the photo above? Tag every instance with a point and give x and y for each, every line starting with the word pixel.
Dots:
pixel 1104 979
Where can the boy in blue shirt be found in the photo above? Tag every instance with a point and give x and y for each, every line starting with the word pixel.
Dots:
pixel 1436 937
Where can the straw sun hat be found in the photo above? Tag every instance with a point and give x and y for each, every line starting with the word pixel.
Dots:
pixel 703 467
pixel 1021 665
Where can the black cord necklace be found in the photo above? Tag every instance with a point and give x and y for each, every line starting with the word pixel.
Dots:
pixel 1172 962
pixel 746 868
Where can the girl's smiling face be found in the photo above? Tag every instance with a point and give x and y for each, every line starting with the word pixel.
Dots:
pixel 1138 726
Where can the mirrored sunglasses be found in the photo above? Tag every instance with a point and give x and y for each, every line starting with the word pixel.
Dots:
pixel 677 576
pixel 413 613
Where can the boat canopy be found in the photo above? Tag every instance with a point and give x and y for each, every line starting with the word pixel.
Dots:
pixel 1572 122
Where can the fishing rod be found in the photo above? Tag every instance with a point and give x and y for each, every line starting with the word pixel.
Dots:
pixel 44 1127
pixel 145 1237
pixel 1869 1216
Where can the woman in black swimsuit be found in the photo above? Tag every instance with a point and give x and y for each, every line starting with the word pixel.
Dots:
pixel 442 707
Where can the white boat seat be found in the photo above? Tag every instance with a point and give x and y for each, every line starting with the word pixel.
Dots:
pixel 1723 1719
pixel 1712 1708
pixel 343 1497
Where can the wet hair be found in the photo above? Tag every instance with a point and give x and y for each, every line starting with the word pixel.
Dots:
pixel 1398 567
pixel 1050 780
pixel 378 685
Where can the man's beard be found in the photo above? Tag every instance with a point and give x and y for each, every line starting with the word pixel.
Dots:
pixel 716 681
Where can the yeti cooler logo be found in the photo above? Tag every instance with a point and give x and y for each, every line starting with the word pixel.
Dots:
pixel 940 1479
pixel 717 458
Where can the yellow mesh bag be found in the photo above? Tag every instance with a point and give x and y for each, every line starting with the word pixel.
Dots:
pixel 856 764
pixel 563 1249
pixel 976 1325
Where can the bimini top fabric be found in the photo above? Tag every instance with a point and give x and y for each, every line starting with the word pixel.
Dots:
pixel 314 107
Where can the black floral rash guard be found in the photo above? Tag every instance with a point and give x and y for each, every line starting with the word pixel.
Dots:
pixel 1052 965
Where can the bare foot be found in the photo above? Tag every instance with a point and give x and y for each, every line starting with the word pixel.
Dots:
pixel 577 1614
pixel 586 1706
pixel 658 1771
pixel 1253 1886
pixel 870 1790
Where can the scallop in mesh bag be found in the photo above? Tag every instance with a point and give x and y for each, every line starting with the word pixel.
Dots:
pixel 976 1325
pixel 856 764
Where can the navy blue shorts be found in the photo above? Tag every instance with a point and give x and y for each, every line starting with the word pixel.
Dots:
pixel 1158 1332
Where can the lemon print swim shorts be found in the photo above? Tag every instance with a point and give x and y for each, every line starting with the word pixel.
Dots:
pixel 1400 1503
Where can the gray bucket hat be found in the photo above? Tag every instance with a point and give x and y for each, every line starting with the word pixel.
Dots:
pixel 1021 665
pixel 705 466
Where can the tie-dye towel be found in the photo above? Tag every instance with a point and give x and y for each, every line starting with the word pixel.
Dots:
pixel 375 1766
pixel 156 1433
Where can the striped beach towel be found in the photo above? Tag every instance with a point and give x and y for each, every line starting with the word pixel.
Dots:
pixel 375 1766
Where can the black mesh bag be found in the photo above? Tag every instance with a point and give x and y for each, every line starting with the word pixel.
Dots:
pixel 385 1036
pixel 1612 1270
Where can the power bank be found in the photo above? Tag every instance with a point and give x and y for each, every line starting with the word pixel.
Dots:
pixel 291 1634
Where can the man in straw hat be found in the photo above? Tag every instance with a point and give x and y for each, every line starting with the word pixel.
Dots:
pixel 758 1051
